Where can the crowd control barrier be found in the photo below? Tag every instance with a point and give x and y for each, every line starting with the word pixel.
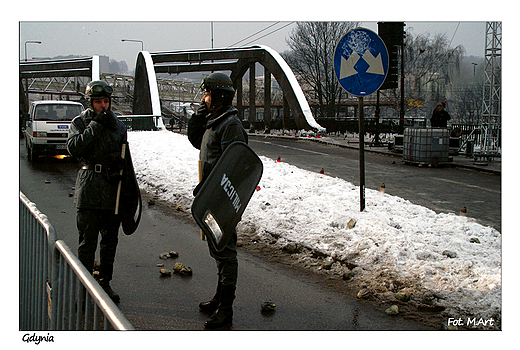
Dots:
pixel 56 290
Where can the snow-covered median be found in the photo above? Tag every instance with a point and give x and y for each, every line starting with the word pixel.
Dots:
pixel 395 244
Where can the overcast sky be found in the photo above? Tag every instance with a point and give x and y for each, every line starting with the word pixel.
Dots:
pixel 87 28
pixel 105 38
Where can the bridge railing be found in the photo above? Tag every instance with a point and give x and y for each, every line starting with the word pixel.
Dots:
pixel 56 290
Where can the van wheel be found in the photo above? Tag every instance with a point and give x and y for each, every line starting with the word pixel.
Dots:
pixel 34 156
pixel 27 149
pixel 30 153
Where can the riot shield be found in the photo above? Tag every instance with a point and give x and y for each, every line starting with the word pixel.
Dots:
pixel 130 206
pixel 220 202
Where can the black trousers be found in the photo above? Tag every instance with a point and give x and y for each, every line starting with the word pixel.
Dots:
pixel 90 224
pixel 227 261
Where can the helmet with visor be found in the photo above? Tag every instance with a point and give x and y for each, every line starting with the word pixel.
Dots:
pixel 98 89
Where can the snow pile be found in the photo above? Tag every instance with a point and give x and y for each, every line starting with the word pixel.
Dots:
pixel 395 245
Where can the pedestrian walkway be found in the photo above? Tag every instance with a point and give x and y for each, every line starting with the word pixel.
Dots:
pixel 493 166
pixel 461 160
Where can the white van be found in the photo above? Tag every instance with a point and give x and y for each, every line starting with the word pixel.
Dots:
pixel 47 127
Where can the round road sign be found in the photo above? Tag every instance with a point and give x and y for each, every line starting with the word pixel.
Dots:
pixel 361 62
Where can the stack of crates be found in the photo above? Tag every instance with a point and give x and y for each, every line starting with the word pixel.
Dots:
pixel 426 146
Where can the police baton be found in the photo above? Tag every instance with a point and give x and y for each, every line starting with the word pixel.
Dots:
pixel 201 168
pixel 123 151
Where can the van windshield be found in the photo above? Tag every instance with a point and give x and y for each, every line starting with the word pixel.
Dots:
pixel 57 111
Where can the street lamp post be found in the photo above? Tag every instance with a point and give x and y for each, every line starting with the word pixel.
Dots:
pixel 30 42
pixel 25 53
pixel 135 41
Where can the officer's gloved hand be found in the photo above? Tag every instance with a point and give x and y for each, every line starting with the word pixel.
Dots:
pixel 102 117
pixel 202 111
pixel 105 118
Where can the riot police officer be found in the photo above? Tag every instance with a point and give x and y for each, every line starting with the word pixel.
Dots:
pixel 96 137
pixel 211 129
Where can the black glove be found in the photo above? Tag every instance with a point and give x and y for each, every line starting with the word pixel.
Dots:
pixel 202 111
pixel 101 117
pixel 106 119
pixel 114 164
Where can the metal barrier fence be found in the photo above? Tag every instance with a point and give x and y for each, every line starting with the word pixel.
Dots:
pixel 35 244
pixel 476 134
pixel 56 290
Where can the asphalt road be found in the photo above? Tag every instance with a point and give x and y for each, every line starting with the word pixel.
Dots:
pixel 442 189
pixel 305 301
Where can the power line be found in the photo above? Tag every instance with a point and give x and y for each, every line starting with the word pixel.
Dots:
pixel 260 31
pixel 288 24
pixel 454 34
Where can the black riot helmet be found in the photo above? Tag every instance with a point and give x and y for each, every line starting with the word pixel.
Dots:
pixel 221 87
pixel 98 89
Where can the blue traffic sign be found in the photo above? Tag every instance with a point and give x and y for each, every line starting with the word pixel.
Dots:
pixel 361 62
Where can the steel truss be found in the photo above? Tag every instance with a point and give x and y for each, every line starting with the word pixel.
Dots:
pixel 492 93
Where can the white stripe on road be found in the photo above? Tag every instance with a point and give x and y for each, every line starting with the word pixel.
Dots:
pixel 467 185
pixel 295 148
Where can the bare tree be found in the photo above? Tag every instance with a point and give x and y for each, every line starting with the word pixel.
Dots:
pixel 468 108
pixel 311 58
pixel 430 65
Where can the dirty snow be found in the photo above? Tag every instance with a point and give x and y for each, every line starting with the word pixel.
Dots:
pixel 395 244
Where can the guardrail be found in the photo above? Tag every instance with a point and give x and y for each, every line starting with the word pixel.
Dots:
pixel 56 290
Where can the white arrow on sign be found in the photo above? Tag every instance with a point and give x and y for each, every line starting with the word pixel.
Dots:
pixel 375 64
pixel 347 66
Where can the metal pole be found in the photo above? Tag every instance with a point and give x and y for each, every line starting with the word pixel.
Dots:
pixel 401 104
pixel 377 141
pixel 361 155
pixel 212 35
pixel 135 41
pixel 27 80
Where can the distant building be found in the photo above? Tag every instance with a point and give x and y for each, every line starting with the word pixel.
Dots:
pixel 104 64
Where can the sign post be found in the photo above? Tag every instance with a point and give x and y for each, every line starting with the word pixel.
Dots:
pixel 361 155
pixel 361 66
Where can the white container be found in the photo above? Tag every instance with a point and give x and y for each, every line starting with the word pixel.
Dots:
pixel 426 146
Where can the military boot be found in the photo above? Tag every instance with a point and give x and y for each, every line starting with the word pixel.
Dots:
pixel 224 314
pixel 211 306
pixel 106 287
